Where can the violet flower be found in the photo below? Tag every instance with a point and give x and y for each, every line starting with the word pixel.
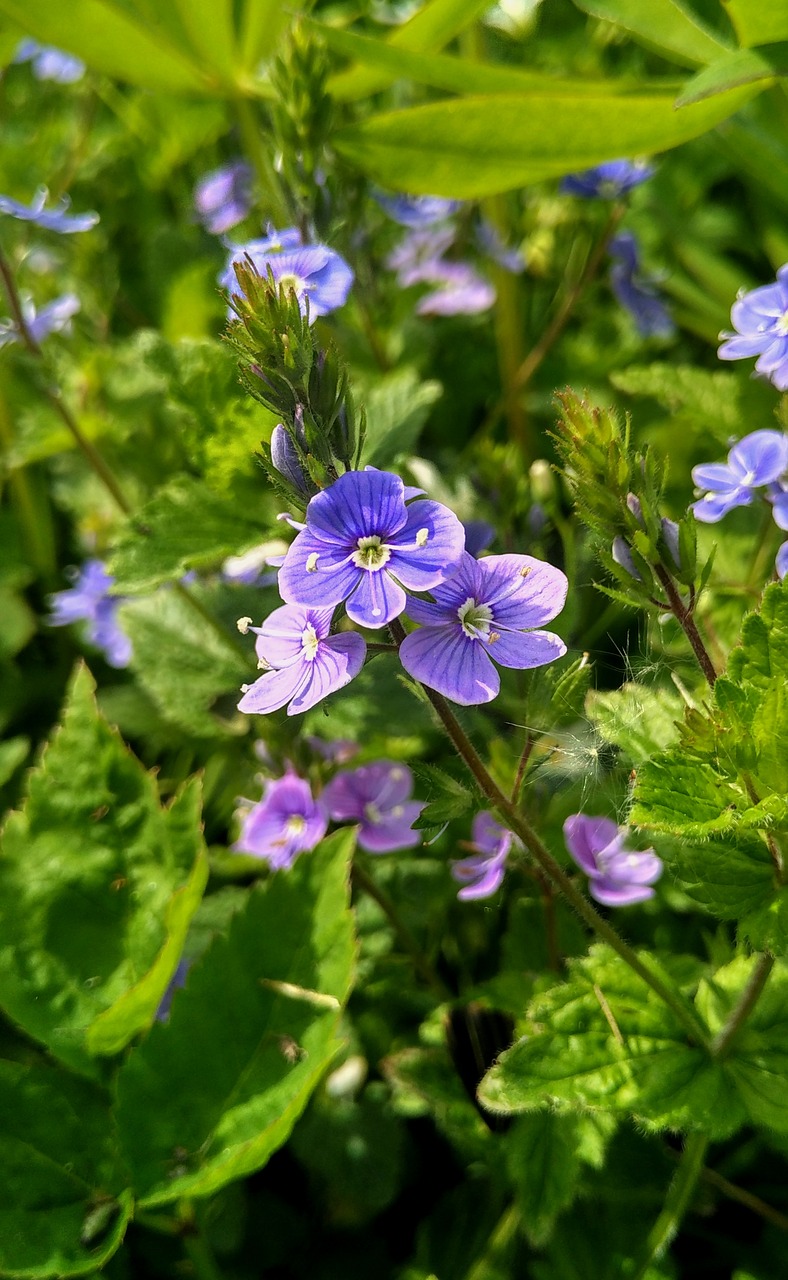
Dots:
pixel 479 535
pixel 417 211
pixel 337 751
pixel 362 544
pixel 491 243
pixel 485 611
pixel 461 291
pixel 305 663
pixel 53 317
pixel 49 63
pixel 286 822
pixel 89 601
pixel 618 876
pixel 635 292
pixel 57 219
pixel 760 319
pixel 320 278
pixel 223 197
pixel 377 796
pixel 757 460
pixel 608 181
pixel 482 874
pixel 419 255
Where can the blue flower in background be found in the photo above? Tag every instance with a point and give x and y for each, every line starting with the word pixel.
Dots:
pixel 461 291
pixel 286 822
pixel 608 181
pixel 636 292
pixel 618 876
pixel 486 611
pixel 781 561
pixel 490 242
pixel 223 197
pixel 760 319
pixel 49 63
pixel 319 276
pixel 54 317
pixel 57 219
pixel 417 211
pixel 760 459
pixel 482 874
pixel 303 662
pixel 377 797
pixel 479 535
pixel 89 601
pixel 419 254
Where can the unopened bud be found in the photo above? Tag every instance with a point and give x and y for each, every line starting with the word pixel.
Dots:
pixel 286 461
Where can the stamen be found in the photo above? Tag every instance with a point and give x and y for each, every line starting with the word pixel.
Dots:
pixel 311 562
pixel 421 537
pixel 288 519
pixel 524 572
pixel 243 625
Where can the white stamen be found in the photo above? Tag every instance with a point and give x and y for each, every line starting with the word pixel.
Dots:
pixel 311 562
pixel 245 688
pixel 421 537
pixel 475 619
pixel 243 625
pixel 309 642
pixel 294 524
pixel 524 572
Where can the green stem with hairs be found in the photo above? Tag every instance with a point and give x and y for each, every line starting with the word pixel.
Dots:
pixel 677 1202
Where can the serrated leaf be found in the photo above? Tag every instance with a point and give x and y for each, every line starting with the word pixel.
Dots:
pixel 185 526
pixel 666 25
pixel 568 687
pixel 447 798
pixel 638 719
pixel 97 885
pixel 213 1092
pixel 397 408
pixel 684 796
pixel 714 399
pixel 543 1163
pixel 58 1166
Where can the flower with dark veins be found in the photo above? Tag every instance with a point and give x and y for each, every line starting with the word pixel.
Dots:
pixel 760 319
pixel 760 459
pixel 618 876
pixel 377 796
pixel 303 662
pixel 482 874
pixel 286 822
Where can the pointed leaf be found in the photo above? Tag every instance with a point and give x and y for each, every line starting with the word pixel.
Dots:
pixel 666 25
pixel 743 66
pixel 761 23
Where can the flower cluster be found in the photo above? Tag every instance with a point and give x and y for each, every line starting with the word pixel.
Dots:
pixel 617 875
pixel 635 291
pixel 760 320
pixel 758 462
pixel 89 601
pixel 319 276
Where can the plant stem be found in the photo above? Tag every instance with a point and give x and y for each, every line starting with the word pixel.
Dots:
pixel 421 963
pixel 687 623
pixel 252 137
pixel 677 1201
pixel 750 1201
pixel 723 1042
pixel 515 821
pixel 502 1236
pixel 528 746
pixel 204 1264
pixel 34 518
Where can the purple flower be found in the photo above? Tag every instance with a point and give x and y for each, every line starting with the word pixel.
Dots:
pixel 286 822
pixel 417 211
pixel 377 796
pixel 618 876
pixel 482 874
pixel 49 63
pixel 246 570
pixel 781 561
pixel 285 459
pixel 478 536
pixel 89 600
pixel 759 459
pixel 223 197
pixel 305 663
pixel 320 278
pixel 481 614
pixel 608 181
pixel 54 317
pixel 490 241
pixel 362 544
pixel 462 291
pixel 419 255
pixel 760 319
pixel 635 292
pixel 339 751
pixel 57 219
pixel 177 981
pixel 622 555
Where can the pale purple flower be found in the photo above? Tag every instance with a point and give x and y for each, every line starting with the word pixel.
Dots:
pixel 362 544
pixel 338 751
pixel 89 601
pixel 377 797
pixel 257 567
pixel 608 181
pixel 49 63
pixel 757 460
pixel 760 319
pixel 618 876
pixel 482 874
pixel 491 243
pixel 305 662
pixel 320 278
pixel 53 317
pixel 286 822
pixel 284 457
pixel 223 197
pixel 419 255
pixel 635 292
pixel 417 211
pixel 781 561
pixel 461 291
pixel 478 536
pixel 57 219
pixel 485 611
pixel 622 555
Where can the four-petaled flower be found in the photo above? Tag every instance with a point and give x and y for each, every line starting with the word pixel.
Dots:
pixel 362 544
pixel 49 63
pixel 608 181
pixel 482 874
pixel 305 663
pixel 485 611
pixel 286 822
pixel 760 319
pixel 89 600
pixel 57 219
pixel 757 460
pixel 618 876
pixel 377 796
pixel 223 197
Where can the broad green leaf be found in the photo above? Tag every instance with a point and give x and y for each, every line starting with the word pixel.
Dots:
pixel 446 798
pixel 543 1162
pixel 211 1094
pixel 479 145
pixel 185 526
pixel 114 39
pixel 638 719
pixel 209 24
pixel 743 66
pixel 604 1039
pixel 425 1081
pixel 19 622
pixel 63 1204
pixel 431 29
pixel 730 879
pixel 763 23
pixel 12 752
pixel 683 796
pixel 711 399
pixel 666 25
pixel 397 408
pixel 262 25
pixel 97 883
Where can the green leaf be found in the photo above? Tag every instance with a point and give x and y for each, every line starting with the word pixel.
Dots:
pixel 209 26
pixel 638 719
pixel 19 622
pixel 185 526
pixel 666 25
pixel 683 796
pixel 743 66
pixel 12 752
pixel 64 1207
pixel 398 406
pixel 97 884
pixel 447 798
pixel 262 24
pixel 544 1153
pixel 761 23
pixel 476 146
pixel 216 1090
pixel 568 687
pixel 711 399
pixel 604 1039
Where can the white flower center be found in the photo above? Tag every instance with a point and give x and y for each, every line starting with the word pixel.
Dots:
pixel 290 281
pixel 309 643
pixel 475 619
pixel 295 825
pixel 372 813
pixel 781 326
pixel 372 554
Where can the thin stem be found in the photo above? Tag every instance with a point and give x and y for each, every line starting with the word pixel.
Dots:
pixel 677 1201
pixel 528 746
pixel 723 1042
pixel 421 963
pixel 34 518
pixel 750 1201
pixel 203 1263
pixel 687 623
pixel 502 1236
pixel 515 821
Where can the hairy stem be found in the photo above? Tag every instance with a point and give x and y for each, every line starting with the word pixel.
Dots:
pixel 723 1042
pixel 747 1198
pixel 687 623
pixel 677 1201
pixel 421 963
